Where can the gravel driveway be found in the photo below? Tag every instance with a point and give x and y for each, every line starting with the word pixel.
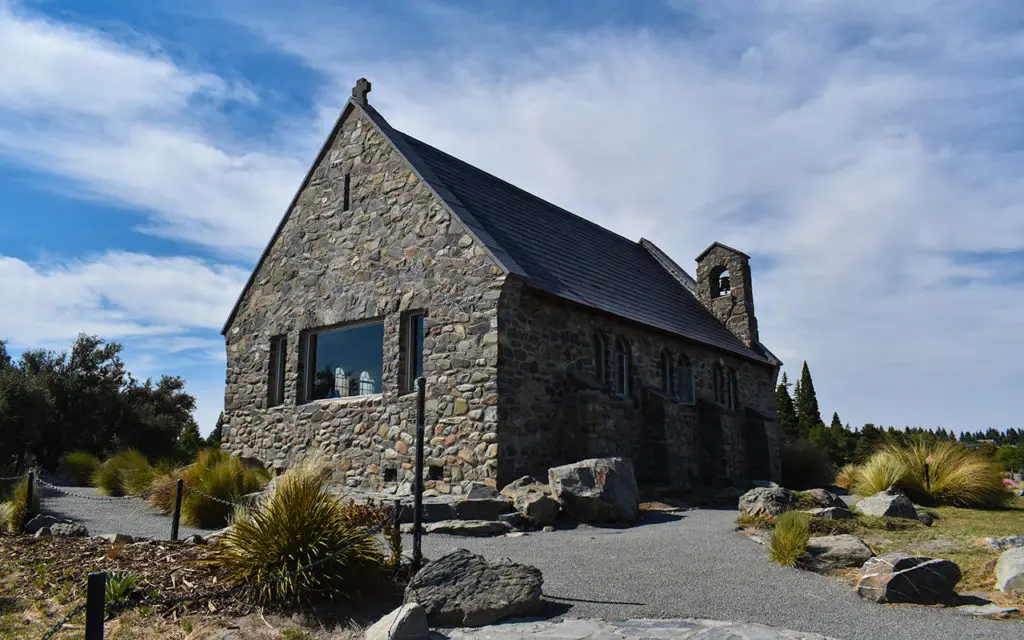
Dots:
pixel 696 566
pixel 102 515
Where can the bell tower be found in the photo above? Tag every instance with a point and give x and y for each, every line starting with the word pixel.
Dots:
pixel 724 287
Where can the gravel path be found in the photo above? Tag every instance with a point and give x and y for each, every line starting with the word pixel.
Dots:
pixel 130 516
pixel 696 566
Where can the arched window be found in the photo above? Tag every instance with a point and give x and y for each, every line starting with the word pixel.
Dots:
pixel 726 387
pixel 600 357
pixel 685 393
pixel 719 282
pixel 667 372
pixel 623 367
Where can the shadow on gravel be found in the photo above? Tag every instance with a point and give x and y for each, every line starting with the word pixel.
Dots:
pixel 561 599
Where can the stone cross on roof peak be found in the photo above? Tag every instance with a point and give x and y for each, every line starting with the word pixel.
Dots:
pixel 359 91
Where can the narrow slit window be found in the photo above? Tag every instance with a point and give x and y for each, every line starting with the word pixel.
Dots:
pixel 668 375
pixel 623 368
pixel 345 201
pixel 685 393
pixel 600 357
pixel 278 361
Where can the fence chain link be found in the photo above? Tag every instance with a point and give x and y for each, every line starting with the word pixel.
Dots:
pixel 214 498
pixel 138 496
pixel 13 478
pixel 66 619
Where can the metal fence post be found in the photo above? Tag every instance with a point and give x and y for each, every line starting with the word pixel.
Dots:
pixel 176 518
pixel 417 514
pixel 94 601
pixel 31 492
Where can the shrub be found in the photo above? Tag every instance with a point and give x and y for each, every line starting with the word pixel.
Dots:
pixel 847 476
pixel 120 586
pixel 378 518
pixel 228 480
pixel 78 467
pixel 789 538
pixel 299 524
pixel 16 509
pixel 126 468
pixel 805 466
pixel 958 476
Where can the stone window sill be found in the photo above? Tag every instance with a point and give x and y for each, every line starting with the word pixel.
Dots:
pixel 346 399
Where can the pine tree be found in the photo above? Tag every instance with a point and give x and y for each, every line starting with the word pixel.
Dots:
pixel 786 411
pixel 218 431
pixel 807 412
pixel 839 441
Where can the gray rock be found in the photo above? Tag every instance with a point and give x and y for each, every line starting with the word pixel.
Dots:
pixel 823 499
pixel 990 610
pixel 763 484
pixel 523 485
pixel 193 540
pixel 252 462
pixel 831 513
pixel 1004 544
pixel 898 577
pixel 40 521
pixel 116 538
pixel 538 508
pixel 825 553
pixel 215 537
pixel 515 520
pixel 891 503
pixel 482 509
pixel 69 530
pixel 479 491
pixel 433 511
pixel 1010 571
pixel 597 490
pixel 464 589
pixel 477 528
pixel 926 519
pixel 407 622
pixel 42 532
pixel 766 501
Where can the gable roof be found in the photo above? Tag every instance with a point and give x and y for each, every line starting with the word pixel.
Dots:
pixel 553 249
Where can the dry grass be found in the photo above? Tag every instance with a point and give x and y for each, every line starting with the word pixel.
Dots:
pixel 957 476
pixel 78 466
pixel 125 472
pixel 788 540
pixel 846 477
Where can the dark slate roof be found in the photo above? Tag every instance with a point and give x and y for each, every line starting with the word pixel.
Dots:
pixel 566 255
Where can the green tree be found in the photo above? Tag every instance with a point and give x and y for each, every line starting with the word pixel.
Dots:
pixel 1011 456
pixel 786 412
pixel 807 412
pixel 868 439
pixel 218 432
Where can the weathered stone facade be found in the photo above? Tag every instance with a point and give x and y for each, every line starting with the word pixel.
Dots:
pixel 511 381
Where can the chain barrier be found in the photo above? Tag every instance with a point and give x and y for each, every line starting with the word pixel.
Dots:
pixel 13 478
pixel 66 619
pixel 214 498
pixel 138 496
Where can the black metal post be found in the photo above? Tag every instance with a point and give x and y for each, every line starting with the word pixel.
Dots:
pixel 417 513
pixel 94 600
pixel 31 491
pixel 177 509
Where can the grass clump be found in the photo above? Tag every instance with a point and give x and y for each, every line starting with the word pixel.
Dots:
pixel 125 472
pixel 958 476
pixel 300 524
pixel 78 467
pixel 15 510
pixel 847 475
pixel 789 538
pixel 120 586
pixel 805 466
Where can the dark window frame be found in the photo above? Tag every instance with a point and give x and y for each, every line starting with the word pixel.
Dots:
pixel 277 365
pixel 308 343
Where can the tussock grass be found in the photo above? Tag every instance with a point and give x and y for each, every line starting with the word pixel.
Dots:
pixel 958 476
pixel 15 510
pixel 847 476
pixel 78 467
pixel 123 473
pixel 214 472
pixel 299 524
pixel 789 538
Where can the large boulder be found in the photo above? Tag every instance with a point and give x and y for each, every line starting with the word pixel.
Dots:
pixel 1010 571
pixel 825 553
pixel 407 622
pixel 462 589
pixel 821 499
pixel 69 530
pixel 831 513
pixel 899 577
pixel 597 490
pixel 766 501
pixel 539 508
pixel 482 508
pixel 891 503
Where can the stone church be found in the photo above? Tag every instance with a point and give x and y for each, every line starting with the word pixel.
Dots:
pixel 543 337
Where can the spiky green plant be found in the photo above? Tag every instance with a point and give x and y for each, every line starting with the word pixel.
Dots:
pixel 120 586
pixel 957 476
pixel 788 540
pixel 128 467
pixel 227 479
pixel 78 467
pixel 297 544
pixel 16 510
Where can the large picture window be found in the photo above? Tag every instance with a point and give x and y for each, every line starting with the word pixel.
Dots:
pixel 344 362
pixel 412 349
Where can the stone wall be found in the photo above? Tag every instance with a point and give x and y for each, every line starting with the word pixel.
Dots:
pixel 736 309
pixel 557 411
pixel 395 249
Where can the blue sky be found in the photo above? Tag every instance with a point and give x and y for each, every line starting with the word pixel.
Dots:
pixel 867 155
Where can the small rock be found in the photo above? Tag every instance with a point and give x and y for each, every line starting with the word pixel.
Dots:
pixel 516 520
pixel 69 530
pixel 523 485
pixel 926 519
pixel 407 622
pixel 763 484
pixel 831 513
pixel 193 540
pixel 536 507
pixel 597 490
pixel 42 532
pixel 548 529
pixel 464 589
pixel 116 538
pixel 766 501
pixel 899 577
pixel 470 527
pixel 826 553
pixel 478 491
pixel 215 537
pixel 516 534
pixel 1004 544
pixel 40 521
pixel 823 499
pixel 1010 571
pixel 891 503
pixel 990 610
